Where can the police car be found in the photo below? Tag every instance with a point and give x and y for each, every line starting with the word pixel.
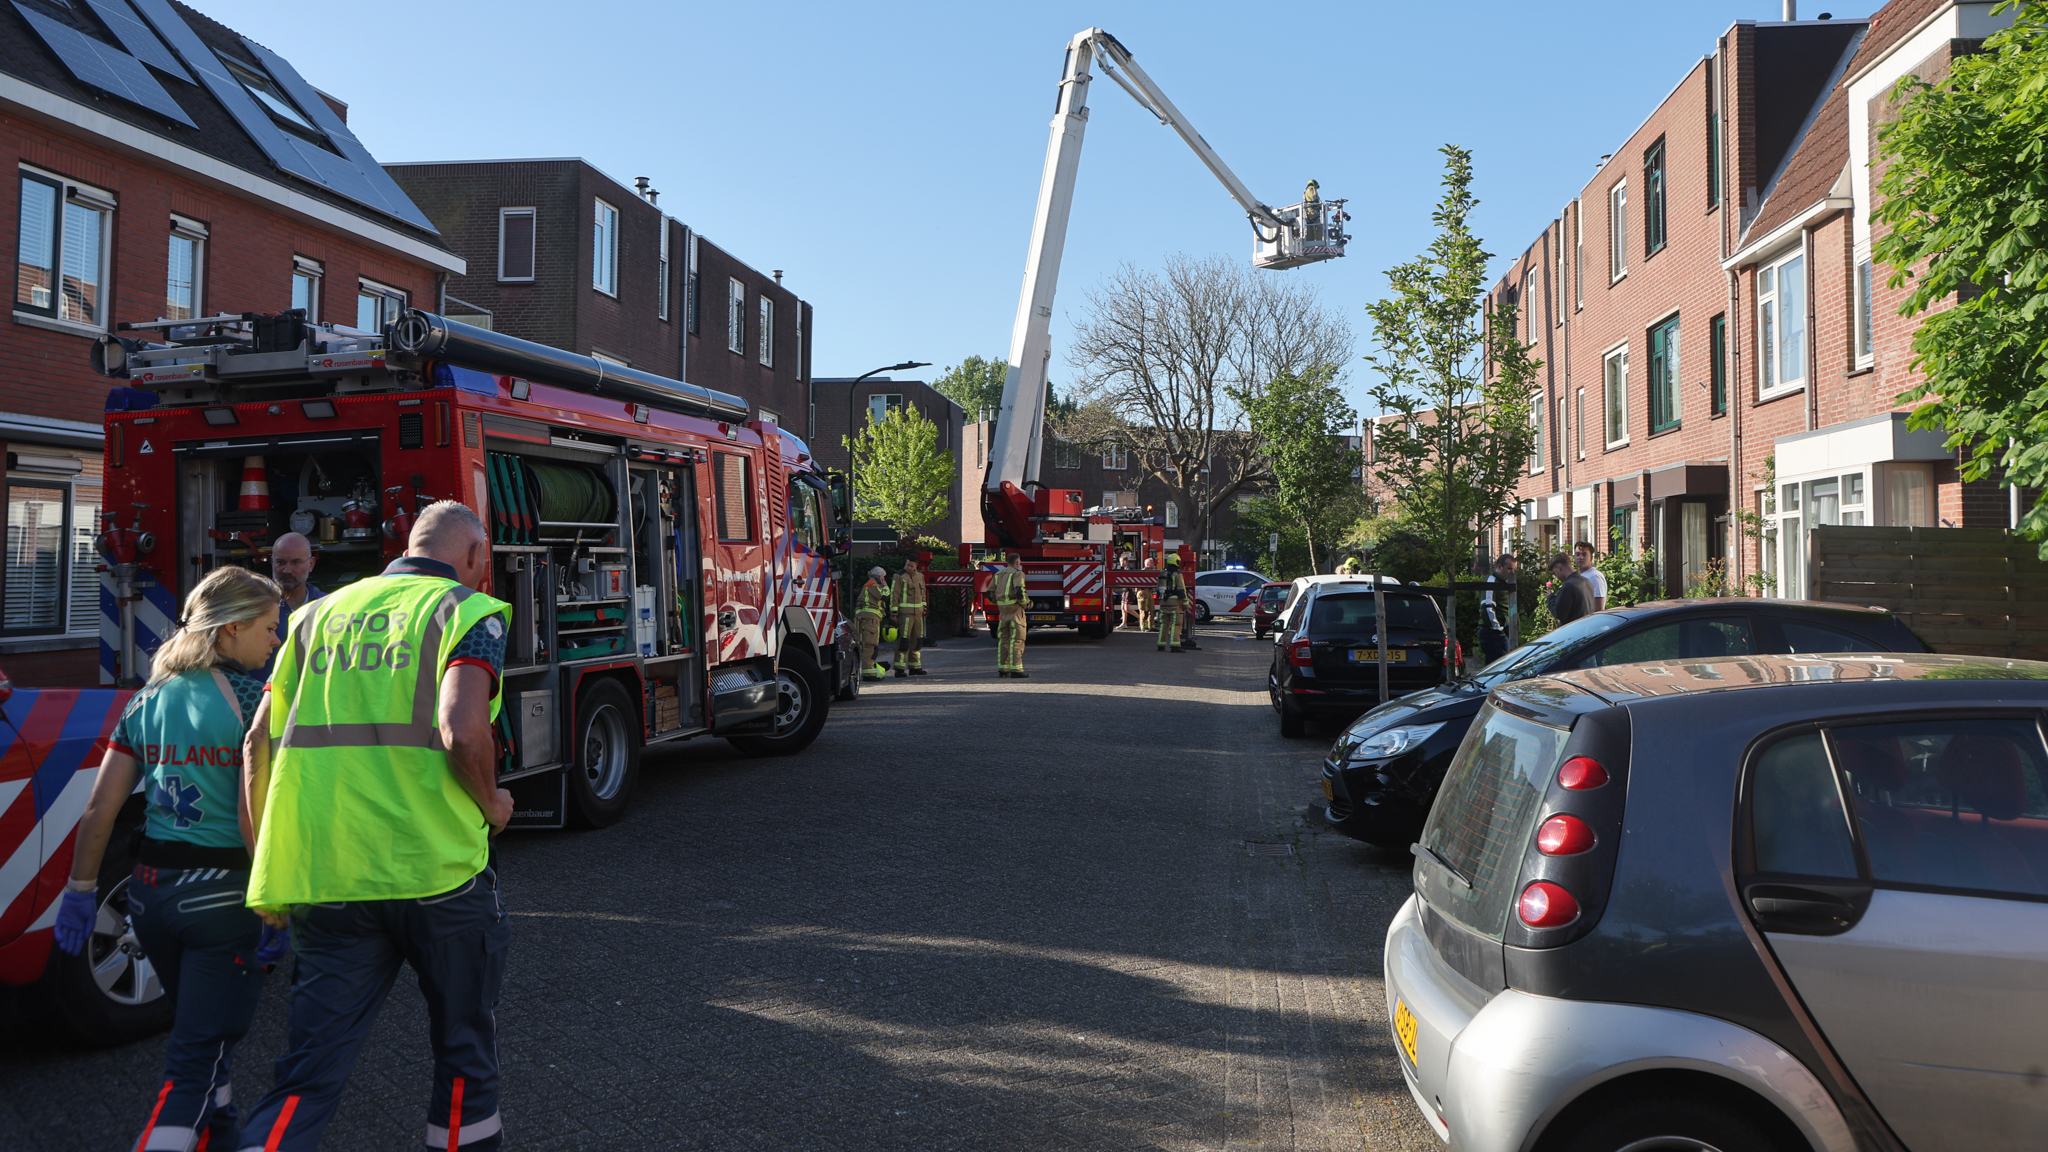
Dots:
pixel 1226 592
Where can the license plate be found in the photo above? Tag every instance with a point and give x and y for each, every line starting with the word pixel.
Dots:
pixel 1404 1029
pixel 1044 617
pixel 1329 793
pixel 1372 655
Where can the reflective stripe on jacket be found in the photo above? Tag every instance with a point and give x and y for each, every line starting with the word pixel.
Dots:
pixel 1008 590
pixel 363 803
pixel 907 593
pixel 873 600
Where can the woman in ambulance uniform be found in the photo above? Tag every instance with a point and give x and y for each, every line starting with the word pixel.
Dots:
pixel 182 733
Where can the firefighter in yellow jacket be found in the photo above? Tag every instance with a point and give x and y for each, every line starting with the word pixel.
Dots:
pixel 1008 593
pixel 869 607
pixel 1172 592
pixel 907 603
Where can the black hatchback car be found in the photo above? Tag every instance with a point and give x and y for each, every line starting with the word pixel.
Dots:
pixel 1382 773
pixel 1326 649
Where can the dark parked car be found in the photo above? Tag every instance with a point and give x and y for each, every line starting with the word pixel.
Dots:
pixel 1382 773
pixel 1326 649
pixel 1745 904
pixel 1272 601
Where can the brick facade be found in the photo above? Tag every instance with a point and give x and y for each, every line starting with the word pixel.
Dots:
pixel 834 393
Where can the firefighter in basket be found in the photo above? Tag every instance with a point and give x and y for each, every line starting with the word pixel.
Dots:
pixel 869 607
pixel 1172 592
pixel 907 603
pixel 1007 592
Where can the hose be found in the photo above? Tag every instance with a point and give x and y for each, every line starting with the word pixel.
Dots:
pixel 568 493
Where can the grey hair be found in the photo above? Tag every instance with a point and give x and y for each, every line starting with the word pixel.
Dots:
pixel 228 595
pixel 434 524
pixel 877 573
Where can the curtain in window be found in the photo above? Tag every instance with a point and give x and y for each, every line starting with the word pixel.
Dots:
pixel 80 299
pixel 34 558
pixel 36 265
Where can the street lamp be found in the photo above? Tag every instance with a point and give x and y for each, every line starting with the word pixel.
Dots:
pixel 853 390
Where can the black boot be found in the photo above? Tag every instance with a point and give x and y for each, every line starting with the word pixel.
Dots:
pixel 1021 675
pixel 902 673
pixel 918 670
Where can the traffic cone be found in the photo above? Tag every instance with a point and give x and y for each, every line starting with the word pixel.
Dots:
pixel 255 486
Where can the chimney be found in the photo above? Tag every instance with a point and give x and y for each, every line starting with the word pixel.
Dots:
pixel 778 275
pixel 1791 9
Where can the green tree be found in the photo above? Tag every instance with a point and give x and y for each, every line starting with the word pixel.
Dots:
pixel 975 384
pixel 1301 417
pixel 900 476
pixel 1967 207
pixel 1464 436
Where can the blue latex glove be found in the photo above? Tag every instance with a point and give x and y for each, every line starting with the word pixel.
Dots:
pixel 271 945
pixel 75 918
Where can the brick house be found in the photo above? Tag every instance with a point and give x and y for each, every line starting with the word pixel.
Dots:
pixel 1704 310
pixel 839 400
pixel 209 178
pixel 564 255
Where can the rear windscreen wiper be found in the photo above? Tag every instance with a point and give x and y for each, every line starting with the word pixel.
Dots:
pixel 1439 861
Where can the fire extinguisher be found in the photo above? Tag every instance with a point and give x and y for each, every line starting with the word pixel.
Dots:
pixel 399 527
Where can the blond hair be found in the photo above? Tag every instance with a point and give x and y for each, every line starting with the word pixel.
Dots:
pixel 227 596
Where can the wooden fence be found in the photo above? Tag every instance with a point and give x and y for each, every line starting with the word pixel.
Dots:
pixel 1973 591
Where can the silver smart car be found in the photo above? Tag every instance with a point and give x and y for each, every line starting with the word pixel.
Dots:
pixel 1749 904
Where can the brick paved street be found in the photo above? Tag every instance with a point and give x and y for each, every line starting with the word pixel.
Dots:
pixel 976 914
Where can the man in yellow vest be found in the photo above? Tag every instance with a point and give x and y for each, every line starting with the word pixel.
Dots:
pixel 907 604
pixel 370 777
pixel 1172 593
pixel 1008 593
pixel 869 606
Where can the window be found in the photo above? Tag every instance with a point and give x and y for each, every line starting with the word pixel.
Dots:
pixel 1717 369
pixel 61 262
pixel 880 404
pixel 1579 255
pixel 1066 454
pixel 661 275
pixel 768 416
pixel 515 244
pixel 1534 320
pixel 1909 503
pixel 1617 231
pixel 604 250
pixel 736 316
pixel 183 268
pixel 306 287
pixel 1781 324
pixel 734 495
pixel 1948 803
pixel 1615 373
pixel 1803 636
pixel 1172 514
pixel 1713 135
pixel 806 521
pixel 1579 424
pixel 1679 640
pixel 1538 409
pixel 377 305
pixel 1557 278
pixel 1653 199
pixel 1664 413
pixel 690 295
pixel 1866 346
pixel 767 331
pixel 1796 821
pixel 1115 458
pixel 49 557
pixel 268 94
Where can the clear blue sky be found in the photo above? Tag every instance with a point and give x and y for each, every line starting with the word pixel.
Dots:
pixel 887 156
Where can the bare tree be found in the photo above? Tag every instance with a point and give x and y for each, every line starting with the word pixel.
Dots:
pixel 1159 355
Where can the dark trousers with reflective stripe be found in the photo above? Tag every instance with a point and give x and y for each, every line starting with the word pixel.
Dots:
pixel 346 957
pixel 192 924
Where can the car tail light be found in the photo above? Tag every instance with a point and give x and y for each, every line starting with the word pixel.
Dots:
pixel 1580 773
pixel 1564 835
pixel 1298 653
pixel 1546 905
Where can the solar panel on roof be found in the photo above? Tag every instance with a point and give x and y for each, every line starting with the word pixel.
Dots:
pixel 135 36
pixel 104 66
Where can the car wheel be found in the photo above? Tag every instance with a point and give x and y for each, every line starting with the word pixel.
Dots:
pixel 110 994
pixel 852 690
pixel 1670 1124
pixel 800 706
pixel 607 755
pixel 1201 612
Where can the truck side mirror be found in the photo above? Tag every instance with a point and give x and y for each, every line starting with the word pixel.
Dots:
pixel 842 500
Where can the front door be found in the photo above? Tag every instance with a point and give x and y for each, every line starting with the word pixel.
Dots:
pixel 1916 933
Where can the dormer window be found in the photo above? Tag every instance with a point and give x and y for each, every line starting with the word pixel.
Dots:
pixel 268 94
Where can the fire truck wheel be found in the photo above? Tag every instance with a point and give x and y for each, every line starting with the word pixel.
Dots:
pixel 607 755
pixel 110 995
pixel 1095 631
pixel 799 709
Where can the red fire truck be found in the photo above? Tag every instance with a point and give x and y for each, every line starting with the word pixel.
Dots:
pixel 666 559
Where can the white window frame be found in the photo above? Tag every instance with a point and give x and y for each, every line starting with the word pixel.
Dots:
pixel 101 203
pixel 196 234
pixel 1770 329
pixel 1578 255
pixel 1557 279
pixel 1614 396
pixel 768 416
pixel 1115 458
pixel 1532 284
pixel 533 244
pixel 1579 425
pixel 1866 323
pixel 1539 415
pixel 1172 515
pixel 312 272
pixel 391 302
pixel 735 316
pixel 767 335
pixel 1617 231
pixel 76 578
pixel 604 248
pixel 1066 454
pixel 884 403
pixel 661 288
